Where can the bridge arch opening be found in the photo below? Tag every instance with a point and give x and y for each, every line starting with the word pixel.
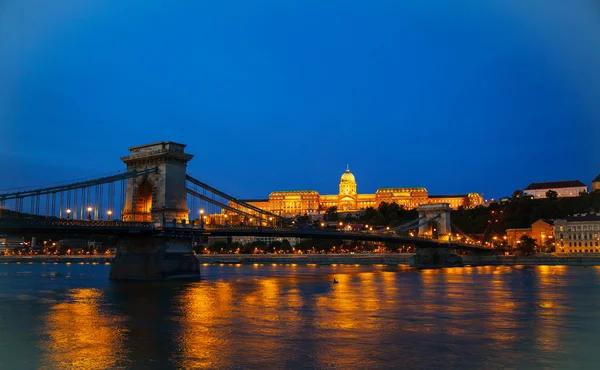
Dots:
pixel 143 202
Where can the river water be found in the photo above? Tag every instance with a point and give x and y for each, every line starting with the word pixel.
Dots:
pixel 285 316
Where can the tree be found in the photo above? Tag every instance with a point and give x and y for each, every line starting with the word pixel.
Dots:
pixel 551 194
pixel 285 245
pixel 303 219
pixel 218 247
pixel 527 245
pixel 275 245
pixel 549 246
pixel 331 214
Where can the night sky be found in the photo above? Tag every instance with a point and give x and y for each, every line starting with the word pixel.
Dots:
pixel 455 96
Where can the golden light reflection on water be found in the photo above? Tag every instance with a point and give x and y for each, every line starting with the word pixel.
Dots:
pixel 277 313
pixel 203 310
pixel 551 305
pixel 215 321
pixel 80 335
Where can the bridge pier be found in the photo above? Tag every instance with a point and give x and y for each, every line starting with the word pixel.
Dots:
pixel 435 257
pixel 154 258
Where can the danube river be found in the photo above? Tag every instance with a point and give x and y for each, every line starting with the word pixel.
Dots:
pixel 285 316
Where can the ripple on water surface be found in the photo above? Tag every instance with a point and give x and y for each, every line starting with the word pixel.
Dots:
pixel 240 316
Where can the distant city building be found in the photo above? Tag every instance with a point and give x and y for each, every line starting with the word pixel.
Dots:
pixel 570 188
pixel 578 233
pixel 596 183
pixel 541 231
pixel 301 202
pixel 10 244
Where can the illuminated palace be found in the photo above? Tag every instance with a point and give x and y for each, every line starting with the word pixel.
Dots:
pixel 301 202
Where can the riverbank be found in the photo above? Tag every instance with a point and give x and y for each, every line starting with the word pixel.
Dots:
pixel 330 259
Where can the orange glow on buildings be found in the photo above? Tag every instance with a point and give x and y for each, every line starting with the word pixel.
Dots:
pixel 310 202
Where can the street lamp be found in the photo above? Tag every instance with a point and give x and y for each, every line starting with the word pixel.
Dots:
pixel 322 224
pixel 68 213
pixel 89 209
pixel 202 218
pixel 109 214
pixel 270 221
pixel 225 216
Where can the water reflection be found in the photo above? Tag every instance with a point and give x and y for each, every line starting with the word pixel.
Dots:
pixel 80 336
pixel 294 317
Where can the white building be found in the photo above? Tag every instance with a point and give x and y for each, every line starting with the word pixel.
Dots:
pixel 578 233
pixel 571 188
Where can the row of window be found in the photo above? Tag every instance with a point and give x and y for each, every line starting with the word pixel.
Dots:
pixel 581 228
pixel 585 244
pixel 581 236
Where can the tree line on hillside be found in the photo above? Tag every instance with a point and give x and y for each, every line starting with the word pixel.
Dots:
pixel 521 211
pixel 386 214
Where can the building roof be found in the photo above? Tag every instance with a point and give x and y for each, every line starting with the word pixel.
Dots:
pixel 289 192
pixel 583 217
pixel 399 190
pixel 449 196
pixel 555 185
pixel 348 176
pixel 597 179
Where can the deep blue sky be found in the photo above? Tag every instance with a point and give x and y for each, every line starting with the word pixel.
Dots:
pixel 456 96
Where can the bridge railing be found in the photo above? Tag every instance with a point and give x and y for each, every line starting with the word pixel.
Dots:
pixel 80 223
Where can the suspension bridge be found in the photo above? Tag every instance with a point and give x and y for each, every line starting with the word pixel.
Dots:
pixel 155 208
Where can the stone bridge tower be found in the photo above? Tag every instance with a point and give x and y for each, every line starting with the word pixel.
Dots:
pixel 441 227
pixel 163 191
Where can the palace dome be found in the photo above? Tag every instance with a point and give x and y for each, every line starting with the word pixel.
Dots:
pixel 348 177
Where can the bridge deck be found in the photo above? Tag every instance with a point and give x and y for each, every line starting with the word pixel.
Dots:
pixel 81 227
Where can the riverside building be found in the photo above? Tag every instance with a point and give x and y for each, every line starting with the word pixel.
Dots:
pixel 578 233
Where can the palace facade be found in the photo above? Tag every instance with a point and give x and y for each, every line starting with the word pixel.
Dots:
pixel 310 202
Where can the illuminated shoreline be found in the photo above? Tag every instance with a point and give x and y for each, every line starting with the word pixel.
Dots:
pixel 328 259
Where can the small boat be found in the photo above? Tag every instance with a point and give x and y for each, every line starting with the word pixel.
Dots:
pixel 335 281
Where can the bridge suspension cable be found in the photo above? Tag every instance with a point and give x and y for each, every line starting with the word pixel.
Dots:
pixel 217 203
pixel 459 231
pixel 74 186
pixel 93 199
pixel 232 199
pixel 420 224
pixel 408 224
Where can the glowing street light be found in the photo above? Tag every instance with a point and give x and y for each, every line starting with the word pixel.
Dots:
pixel 68 213
pixel 322 224
pixel 89 209
pixel 109 214
pixel 201 218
